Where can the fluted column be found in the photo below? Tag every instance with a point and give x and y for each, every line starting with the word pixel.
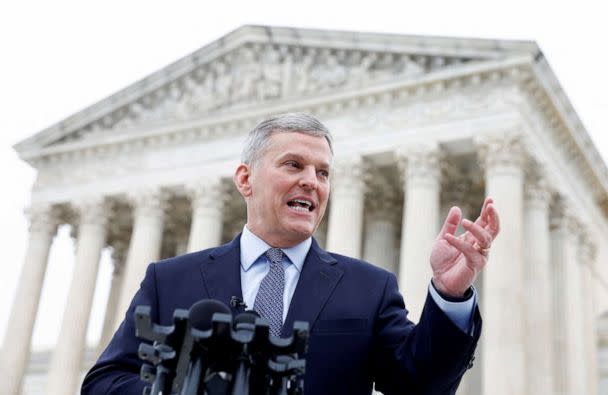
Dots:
pixel 537 286
pixel 587 256
pixel 345 226
pixel 109 323
pixel 420 223
pixel 380 226
pixel 64 372
pixel 145 244
pixel 207 214
pixel 16 347
pixel 504 368
pixel 569 356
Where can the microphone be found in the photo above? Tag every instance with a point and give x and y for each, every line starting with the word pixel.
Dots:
pixel 237 303
pixel 201 313
pixel 244 326
pixel 207 351
pixel 200 316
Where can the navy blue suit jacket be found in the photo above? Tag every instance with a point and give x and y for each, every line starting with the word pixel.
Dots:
pixel 359 330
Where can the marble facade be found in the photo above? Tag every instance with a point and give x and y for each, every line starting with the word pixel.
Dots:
pixel 420 124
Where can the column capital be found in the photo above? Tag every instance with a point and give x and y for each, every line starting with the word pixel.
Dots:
pixel 148 202
pixel 43 217
pixel 499 150
pixel 588 249
pixel 462 187
pixel 119 256
pixel 93 211
pixel 382 200
pixel 537 190
pixel 420 161
pixel 207 193
pixel 349 174
pixel 562 217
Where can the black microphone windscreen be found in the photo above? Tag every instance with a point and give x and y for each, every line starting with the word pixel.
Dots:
pixel 201 313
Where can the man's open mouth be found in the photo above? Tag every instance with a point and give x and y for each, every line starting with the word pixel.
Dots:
pixel 301 205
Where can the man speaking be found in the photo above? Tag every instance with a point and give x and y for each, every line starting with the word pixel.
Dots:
pixel 359 331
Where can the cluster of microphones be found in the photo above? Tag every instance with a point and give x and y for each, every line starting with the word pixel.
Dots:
pixel 207 352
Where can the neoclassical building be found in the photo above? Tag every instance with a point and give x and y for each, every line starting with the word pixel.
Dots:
pixel 420 124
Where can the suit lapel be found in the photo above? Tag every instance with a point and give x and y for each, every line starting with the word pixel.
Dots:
pixel 222 273
pixel 319 277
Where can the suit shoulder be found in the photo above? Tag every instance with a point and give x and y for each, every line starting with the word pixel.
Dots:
pixel 181 262
pixel 359 265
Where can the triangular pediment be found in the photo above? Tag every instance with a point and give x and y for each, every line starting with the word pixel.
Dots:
pixel 255 65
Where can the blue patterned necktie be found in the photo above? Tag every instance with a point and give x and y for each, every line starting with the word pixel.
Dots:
pixel 269 300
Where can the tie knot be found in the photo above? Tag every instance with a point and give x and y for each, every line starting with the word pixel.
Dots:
pixel 275 255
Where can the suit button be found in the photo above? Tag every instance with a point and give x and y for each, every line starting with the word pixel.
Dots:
pixel 470 365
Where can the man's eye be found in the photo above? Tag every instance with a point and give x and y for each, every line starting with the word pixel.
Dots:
pixel 292 163
pixel 324 173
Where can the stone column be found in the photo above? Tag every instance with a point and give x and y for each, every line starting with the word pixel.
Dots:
pixel 145 244
pixel 537 286
pixel 588 255
pixel 16 348
pixel 602 334
pixel 345 226
pixel 64 371
pixel 570 363
pixel 420 223
pixel 207 214
pixel 380 226
pixel 504 368
pixel 321 233
pixel 109 323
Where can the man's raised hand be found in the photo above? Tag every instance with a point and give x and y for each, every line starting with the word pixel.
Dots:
pixel 456 261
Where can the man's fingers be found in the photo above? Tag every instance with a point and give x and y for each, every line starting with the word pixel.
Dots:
pixel 478 233
pixel 474 258
pixel 482 220
pixel 493 221
pixel 488 214
pixel 451 222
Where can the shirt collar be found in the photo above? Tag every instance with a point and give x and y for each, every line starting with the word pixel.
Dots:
pixel 252 247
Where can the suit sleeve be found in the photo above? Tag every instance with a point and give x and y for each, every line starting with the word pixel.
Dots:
pixel 117 369
pixel 428 358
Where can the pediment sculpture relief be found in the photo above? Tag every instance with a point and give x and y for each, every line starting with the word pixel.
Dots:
pixel 257 73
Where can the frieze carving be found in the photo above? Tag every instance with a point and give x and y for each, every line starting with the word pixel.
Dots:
pixel 256 73
pixel 89 169
pixel 419 109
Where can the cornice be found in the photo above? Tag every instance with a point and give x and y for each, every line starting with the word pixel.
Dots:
pixel 570 134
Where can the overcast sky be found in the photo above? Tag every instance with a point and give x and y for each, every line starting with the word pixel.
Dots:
pixel 60 56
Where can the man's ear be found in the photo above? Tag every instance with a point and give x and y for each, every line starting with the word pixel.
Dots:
pixel 241 179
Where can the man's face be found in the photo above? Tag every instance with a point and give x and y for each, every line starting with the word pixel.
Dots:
pixel 287 189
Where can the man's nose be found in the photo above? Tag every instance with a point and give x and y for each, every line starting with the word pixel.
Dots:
pixel 308 179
